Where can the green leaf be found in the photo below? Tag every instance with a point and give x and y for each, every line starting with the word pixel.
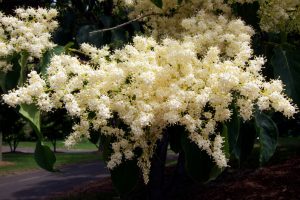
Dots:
pixel 286 65
pixel 246 140
pixel 105 142
pixel 43 65
pixel 224 134
pixel 94 137
pixel 44 157
pixel 198 163
pixel 158 3
pixel 66 47
pixel 2 81
pixel 233 127
pixel 268 136
pixel 32 114
pixel 23 72
pixel 11 78
pixel 125 176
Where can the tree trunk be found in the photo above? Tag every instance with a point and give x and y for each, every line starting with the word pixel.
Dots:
pixel 156 182
pixel 180 176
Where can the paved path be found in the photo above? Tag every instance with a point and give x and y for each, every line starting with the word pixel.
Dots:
pixel 6 149
pixel 41 184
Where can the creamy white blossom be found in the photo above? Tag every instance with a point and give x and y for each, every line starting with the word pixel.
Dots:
pixel 28 31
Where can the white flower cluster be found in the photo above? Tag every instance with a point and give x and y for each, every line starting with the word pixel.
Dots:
pixel 166 20
pixel 277 15
pixel 28 31
pixel 149 85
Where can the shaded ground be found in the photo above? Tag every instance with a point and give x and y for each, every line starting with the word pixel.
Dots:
pixel 41 184
pixel 279 181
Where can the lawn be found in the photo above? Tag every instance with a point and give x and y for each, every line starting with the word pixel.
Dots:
pixel 83 145
pixel 25 161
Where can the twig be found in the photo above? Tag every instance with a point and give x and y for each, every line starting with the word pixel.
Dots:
pixel 124 24
pixel 77 51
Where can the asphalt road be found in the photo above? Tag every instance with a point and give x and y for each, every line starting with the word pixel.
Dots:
pixel 41 184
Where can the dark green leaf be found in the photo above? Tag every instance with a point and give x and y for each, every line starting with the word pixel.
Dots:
pixel 67 47
pixel 179 1
pixel 2 81
pixel 44 157
pixel 32 114
pixel 226 141
pixel 158 3
pixel 233 127
pixel 125 176
pixel 198 163
pixel 11 78
pixel 43 65
pixel 105 142
pixel 23 72
pixel 268 136
pixel 94 137
pixel 286 65
pixel 246 140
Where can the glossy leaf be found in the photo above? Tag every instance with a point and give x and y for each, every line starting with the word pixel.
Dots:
pixel 268 136
pixel 286 65
pixel 105 142
pixel 94 137
pixel 233 127
pixel 224 134
pixel 125 176
pixel 32 114
pixel 198 163
pixel 2 81
pixel 245 142
pixel 44 157
pixel 11 78
pixel 57 50
pixel 23 71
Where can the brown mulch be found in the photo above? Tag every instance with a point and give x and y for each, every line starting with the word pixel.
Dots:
pixel 5 163
pixel 276 182
pixel 280 181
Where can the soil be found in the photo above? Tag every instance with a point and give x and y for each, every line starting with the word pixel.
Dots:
pixel 278 181
pixel 5 163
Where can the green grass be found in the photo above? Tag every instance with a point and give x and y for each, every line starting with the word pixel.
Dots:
pixel 83 145
pixel 25 161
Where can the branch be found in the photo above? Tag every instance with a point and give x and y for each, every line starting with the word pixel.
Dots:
pixel 124 24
